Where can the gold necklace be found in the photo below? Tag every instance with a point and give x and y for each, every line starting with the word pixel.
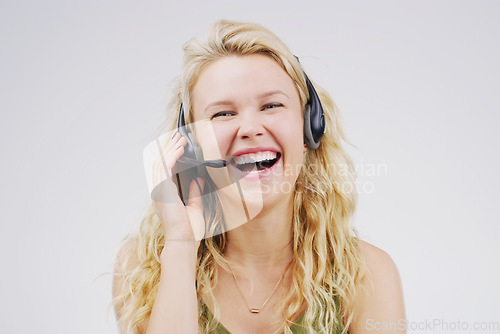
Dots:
pixel 257 310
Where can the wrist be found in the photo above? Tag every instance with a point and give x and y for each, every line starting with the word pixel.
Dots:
pixel 179 251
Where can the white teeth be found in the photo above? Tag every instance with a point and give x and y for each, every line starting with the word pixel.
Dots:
pixel 254 157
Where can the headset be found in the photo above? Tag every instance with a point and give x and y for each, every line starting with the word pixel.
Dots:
pixel 314 118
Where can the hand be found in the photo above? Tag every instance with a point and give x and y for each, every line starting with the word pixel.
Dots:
pixel 179 222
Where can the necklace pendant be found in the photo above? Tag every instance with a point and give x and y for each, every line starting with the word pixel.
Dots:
pixel 254 310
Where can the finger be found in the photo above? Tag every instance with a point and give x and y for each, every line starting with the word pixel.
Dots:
pixel 174 155
pixel 163 189
pixel 195 208
pixel 159 172
pixel 167 159
pixel 169 144
pixel 173 143
pixel 175 151
pixel 166 192
pixel 195 192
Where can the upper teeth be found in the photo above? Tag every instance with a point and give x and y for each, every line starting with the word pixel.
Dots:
pixel 254 157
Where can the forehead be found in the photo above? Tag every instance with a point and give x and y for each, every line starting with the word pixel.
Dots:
pixel 241 78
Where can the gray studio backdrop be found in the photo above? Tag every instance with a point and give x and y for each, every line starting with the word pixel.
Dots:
pixel 83 86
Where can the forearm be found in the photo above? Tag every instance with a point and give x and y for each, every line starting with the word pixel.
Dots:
pixel 175 309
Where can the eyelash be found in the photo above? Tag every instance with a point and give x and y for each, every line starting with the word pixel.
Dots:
pixel 230 113
pixel 272 105
pixel 222 113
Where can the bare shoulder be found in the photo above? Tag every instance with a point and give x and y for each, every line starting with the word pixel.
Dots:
pixel 383 279
pixel 379 305
pixel 126 256
pixel 126 260
pixel 379 263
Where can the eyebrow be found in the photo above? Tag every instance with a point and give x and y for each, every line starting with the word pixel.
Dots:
pixel 261 96
pixel 273 92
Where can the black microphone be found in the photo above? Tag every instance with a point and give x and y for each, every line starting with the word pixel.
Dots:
pixel 209 163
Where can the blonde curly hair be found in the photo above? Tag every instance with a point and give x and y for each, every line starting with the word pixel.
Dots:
pixel 328 265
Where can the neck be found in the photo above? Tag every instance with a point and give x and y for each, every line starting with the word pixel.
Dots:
pixel 265 241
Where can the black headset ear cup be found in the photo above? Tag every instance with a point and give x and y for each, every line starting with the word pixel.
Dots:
pixel 183 170
pixel 308 135
pixel 192 149
pixel 314 118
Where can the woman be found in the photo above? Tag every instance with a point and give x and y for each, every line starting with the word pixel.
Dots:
pixel 295 264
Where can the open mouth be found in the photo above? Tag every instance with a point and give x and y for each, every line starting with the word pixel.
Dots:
pixel 259 161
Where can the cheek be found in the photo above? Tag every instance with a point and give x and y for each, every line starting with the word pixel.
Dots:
pixel 288 124
pixel 205 136
pixel 293 132
pixel 213 140
pixel 293 145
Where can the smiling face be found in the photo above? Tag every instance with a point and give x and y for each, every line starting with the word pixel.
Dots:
pixel 253 108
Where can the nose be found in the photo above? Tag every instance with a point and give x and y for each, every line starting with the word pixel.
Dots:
pixel 250 126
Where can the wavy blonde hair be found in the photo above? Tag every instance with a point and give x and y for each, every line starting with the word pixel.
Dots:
pixel 328 265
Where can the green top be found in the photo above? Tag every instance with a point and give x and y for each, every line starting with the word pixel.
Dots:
pixel 296 328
